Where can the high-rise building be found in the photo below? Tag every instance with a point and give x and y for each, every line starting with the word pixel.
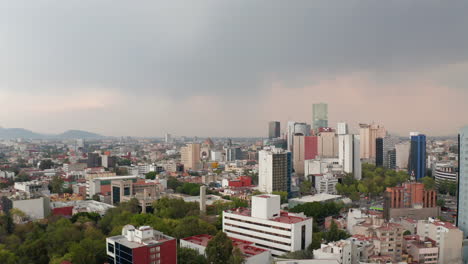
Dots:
pixel 402 155
pixel 357 164
pixel 274 170
pixel 94 160
pixel 379 152
pixel 417 159
pixel 296 128
pixel 462 219
pixel 369 133
pixel 274 129
pixel 168 138
pixel 320 115
pixel 342 128
pixel 142 245
pixel 389 143
pixel 299 155
pixel 311 147
pixel 348 154
pixel 190 156
pixel 327 145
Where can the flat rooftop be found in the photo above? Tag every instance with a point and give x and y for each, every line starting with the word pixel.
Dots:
pixel 247 248
pixel 321 197
pixel 285 217
pixel 131 244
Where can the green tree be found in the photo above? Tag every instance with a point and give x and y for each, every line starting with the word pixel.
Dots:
pixel 190 256
pixel 46 164
pixel 219 249
pixel 440 202
pixel 88 251
pixel 132 206
pixel 283 195
pixel 407 233
pixel 174 208
pixel 7 257
pixel 335 234
pixel 362 188
pixel 236 257
pixel 428 182
pixel 452 188
pixel 56 184
pixel 151 175
pixel 306 187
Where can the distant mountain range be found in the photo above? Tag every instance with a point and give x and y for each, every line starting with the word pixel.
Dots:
pixel 12 133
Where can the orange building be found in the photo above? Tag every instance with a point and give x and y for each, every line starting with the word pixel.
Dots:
pixel 411 195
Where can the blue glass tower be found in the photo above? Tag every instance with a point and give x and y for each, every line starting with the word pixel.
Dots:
pixel 289 173
pixel 417 158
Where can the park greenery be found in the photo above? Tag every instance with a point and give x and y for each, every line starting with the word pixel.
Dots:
pixel 374 182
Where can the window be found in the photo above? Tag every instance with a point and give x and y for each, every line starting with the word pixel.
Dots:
pixel 110 247
pixel 303 237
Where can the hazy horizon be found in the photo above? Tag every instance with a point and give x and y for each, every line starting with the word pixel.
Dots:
pixel 227 68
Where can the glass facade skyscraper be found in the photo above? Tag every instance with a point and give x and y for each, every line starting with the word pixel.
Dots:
pixel 417 157
pixel 274 129
pixel 319 115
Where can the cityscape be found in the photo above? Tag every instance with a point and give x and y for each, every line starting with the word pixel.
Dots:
pixel 233 132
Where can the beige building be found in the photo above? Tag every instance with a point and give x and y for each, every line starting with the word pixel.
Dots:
pixel 298 155
pixel 368 134
pixel 190 156
pixel 327 143
pixel 447 236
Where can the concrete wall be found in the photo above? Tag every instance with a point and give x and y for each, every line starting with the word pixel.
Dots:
pixel 35 208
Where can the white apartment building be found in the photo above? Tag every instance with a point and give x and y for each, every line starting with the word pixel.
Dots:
pixel 341 250
pixel 326 183
pixel 322 166
pixel 447 236
pixel 7 174
pixel 268 227
pixel 402 151
pixel 274 170
pixel 31 186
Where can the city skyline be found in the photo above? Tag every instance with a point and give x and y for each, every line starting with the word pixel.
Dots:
pixel 156 67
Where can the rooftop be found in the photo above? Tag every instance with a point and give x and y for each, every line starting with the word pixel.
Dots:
pixel 247 248
pixel 317 198
pixel 285 217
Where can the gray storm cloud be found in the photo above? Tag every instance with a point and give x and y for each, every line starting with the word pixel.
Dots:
pixel 230 50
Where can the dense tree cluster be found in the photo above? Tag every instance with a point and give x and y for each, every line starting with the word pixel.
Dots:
pixel 81 239
pixel 318 210
pixel 374 181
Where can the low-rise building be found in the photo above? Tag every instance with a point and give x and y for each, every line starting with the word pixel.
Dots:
pixel 268 227
pixel 447 237
pixel 142 245
pixel 251 253
pixel 341 250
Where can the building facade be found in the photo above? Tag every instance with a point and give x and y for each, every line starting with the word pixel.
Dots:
pixel 268 227
pixel 142 245
pixel 368 135
pixel 417 158
pixel 190 156
pixel 274 170
pixel 462 201
pixel 320 115
pixel 274 129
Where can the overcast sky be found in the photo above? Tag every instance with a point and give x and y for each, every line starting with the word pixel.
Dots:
pixel 226 68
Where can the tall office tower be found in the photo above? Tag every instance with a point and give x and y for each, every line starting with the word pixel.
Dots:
pixel 462 220
pixel 296 128
pixel 299 155
pixel 233 153
pixel 369 133
pixel 190 156
pixel 345 152
pixel 168 138
pixel 342 128
pixel 402 151
pixel 357 164
pixel 379 151
pixel 94 160
pixel 311 147
pixel 389 143
pixel 274 129
pixel 320 115
pixel 327 145
pixel 417 158
pixel 274 170
pixel 348 154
